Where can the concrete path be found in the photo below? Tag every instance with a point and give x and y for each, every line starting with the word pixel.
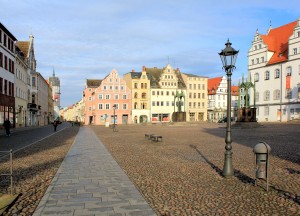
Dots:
pixel 90 182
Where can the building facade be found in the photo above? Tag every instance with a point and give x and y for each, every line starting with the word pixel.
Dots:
pixel 217 99
pixel 7 78
pixel 165 84
pixel 107 100
pixel 197 99
pixel 55 84
pixel 139 83
pixel 274 65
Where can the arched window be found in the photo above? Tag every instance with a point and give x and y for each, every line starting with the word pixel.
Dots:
pixel 135 105
pixel 135 95
pixel 276 94
pixel 266 95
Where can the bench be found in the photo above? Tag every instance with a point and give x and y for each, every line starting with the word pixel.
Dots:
pixel 156 138
pixel 148 136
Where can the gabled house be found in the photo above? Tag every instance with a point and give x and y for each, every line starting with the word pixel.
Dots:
pixel 274 63
pixel 107 100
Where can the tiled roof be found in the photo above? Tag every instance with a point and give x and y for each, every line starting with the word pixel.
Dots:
pixel 93 83
pixel 23 46
pixel 213 84
pixel 277 41
pixel 234 90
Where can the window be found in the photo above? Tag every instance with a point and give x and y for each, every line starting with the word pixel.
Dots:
pixel 124 106
pixel 252 61
pixel 292 111
pixel 203 96
pixel 116 97
pixel 90 108
pixel 266 110
pixel 100 96
pixel 104 87
pixel 267 75
pixel 276 94
pixel 257 96
pixel 122 87
pixel 107 96
pixel 277 73
pixel 262 59
pixel 190 86
pixel 256 77
pixel 190 104
pixel 135 95
pixel 289 71
pixel 33 82
pixel 90 98
pixel 295 51
pixel 257 60
pixel 144 95
pixel 195 95
pixel 162 103
pixel 135 85
pixel 107 106
pixel 266 95
pixel 157 103
pixel 167 103
pixel 289 93
pixel 100 106
pixel 124 96
pixel 153 103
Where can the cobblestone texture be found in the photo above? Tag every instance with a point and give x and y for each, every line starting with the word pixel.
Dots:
pixel 182 175
pixel 34 168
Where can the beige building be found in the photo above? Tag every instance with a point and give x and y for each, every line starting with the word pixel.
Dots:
pixel 22 88
pixel 42 99
pixel 196 99
pixel 139 83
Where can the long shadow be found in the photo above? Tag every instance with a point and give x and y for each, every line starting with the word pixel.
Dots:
pixel 48 143
pixel 238 174
pixel 282 138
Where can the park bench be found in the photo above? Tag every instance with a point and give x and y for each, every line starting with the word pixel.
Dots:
pixel 148 136
pixel 156 138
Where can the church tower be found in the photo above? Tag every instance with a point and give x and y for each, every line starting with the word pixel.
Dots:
pixel 55 83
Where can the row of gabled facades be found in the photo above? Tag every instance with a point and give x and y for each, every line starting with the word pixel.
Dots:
pixel 154 94
pixel 26 97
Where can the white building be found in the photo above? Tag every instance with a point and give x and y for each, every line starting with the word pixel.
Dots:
pixel 217 99
pixel 274 64
pixel 22 88
pixel 55 84
pixel 165 84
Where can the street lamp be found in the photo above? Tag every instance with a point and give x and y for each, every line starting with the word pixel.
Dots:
pixel 228 57
pixel 114 106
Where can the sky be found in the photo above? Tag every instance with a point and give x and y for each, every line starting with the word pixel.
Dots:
pixel 82 40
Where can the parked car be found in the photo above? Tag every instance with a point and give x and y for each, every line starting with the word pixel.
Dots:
pixel 222 120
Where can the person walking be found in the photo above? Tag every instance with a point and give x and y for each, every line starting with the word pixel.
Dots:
pixel 55 124
pixel 6 125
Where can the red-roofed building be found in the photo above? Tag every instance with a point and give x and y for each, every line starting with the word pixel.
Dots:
pixel 217 99
pixel 274 63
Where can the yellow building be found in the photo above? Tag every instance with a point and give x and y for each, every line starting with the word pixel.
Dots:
pixel 196 99
pixel 139 83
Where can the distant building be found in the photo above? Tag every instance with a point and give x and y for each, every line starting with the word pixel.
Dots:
pixel 217 99
pixel 274 64
pixel 197 99
pixel 107 100
pixel 54 82
pixel 139 83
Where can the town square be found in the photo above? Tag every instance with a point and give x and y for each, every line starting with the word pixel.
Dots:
pixel 136 108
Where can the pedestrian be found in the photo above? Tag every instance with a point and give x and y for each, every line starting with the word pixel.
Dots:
pixel 6 125
pixel 55 124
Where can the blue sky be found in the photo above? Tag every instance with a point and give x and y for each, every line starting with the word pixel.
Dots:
pixel 87 39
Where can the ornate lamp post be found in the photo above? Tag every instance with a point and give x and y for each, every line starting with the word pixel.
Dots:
pixel 228 57
pixel 114 106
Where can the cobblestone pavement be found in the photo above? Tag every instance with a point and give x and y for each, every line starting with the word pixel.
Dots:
pixel 33 167
pixel 182 174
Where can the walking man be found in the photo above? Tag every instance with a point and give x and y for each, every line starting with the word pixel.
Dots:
pixel 55 124
pixel 6 125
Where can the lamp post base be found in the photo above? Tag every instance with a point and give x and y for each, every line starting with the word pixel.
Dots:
pixel 228 169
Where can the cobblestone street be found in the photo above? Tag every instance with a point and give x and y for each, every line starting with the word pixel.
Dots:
pixel 182 174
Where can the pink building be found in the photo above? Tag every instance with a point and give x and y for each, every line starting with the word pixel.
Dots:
pixel 101 96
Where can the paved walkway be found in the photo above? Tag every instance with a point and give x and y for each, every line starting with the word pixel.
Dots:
pixel 90 182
